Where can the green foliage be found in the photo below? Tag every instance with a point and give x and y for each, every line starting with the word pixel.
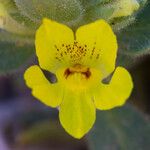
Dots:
pixel 8 23
pixel 135 39
pixel 99 11
pixel 12 37
pixel 65 11
pixel 16 46
pixel 120 23
pixel 15 13
pixel 126 60
pixel 43 132
pixel 120 129
pixel 88 3
pixel 142 2
pixel 13 55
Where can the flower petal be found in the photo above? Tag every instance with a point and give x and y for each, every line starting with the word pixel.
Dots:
pixel 77 113
pixel 42 88
pixel 101 45
pixel 49 38
pixel 116 92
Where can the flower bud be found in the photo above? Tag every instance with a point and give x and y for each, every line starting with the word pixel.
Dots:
pixel 9 24
pixel 125 8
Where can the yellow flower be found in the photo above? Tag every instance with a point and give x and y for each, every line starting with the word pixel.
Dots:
pixel 80 62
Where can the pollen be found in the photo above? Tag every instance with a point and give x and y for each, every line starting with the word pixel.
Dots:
pixel 75 52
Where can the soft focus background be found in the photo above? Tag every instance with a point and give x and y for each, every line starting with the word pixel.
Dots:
pixel 27 124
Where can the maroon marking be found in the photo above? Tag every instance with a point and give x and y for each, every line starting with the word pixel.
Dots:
pixel 67 72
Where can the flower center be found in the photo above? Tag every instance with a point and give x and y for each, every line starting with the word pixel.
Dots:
pixel 78 77
pixel 79 69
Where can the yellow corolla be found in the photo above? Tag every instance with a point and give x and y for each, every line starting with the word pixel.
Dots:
pixel 80 62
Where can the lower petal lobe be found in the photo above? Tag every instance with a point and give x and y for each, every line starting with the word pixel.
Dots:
pixel 107 96
pixel 42 89
pixel 77 113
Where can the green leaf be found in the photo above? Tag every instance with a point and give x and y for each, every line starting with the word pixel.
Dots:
pixel 135 39
pixel 120 129
pixel 99 12
pixel 64 11
pixel 14 12
pixel 87 3
pixel 10 24
pixel 142 2
pixel 14 55
pixel 11 37
pixel 121 22
pixel 48 131
pixel 126 61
